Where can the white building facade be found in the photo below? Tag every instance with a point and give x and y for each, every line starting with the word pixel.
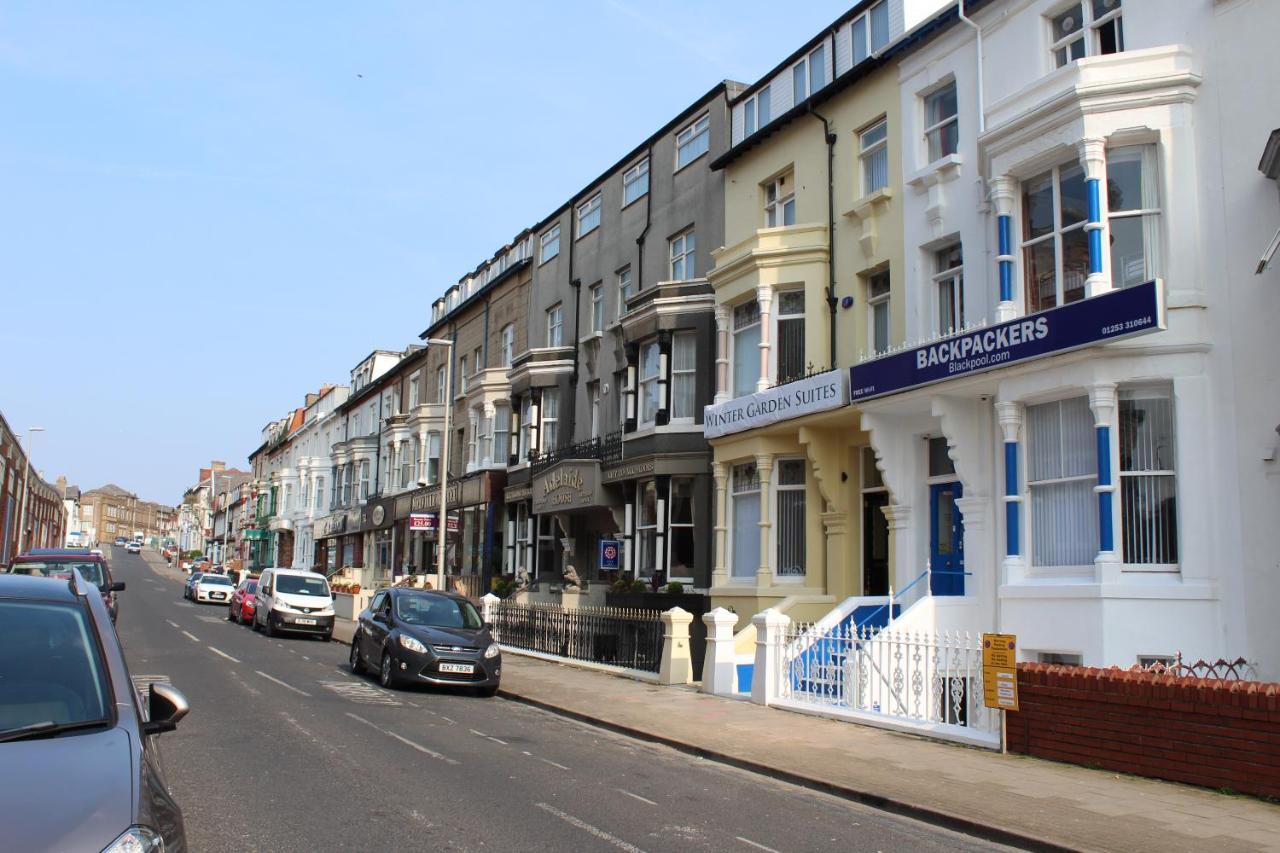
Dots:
pixel 1083 206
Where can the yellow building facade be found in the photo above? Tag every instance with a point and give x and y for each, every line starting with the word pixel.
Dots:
pixel 792 470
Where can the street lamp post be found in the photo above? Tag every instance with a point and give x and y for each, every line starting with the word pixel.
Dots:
pixel 26 476
pixel 442 524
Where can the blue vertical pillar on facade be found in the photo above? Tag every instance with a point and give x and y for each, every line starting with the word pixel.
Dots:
pixel 1009 415
pixel 1093 159
pixel 1106 536
pixel 1093 187
pixel 1004 191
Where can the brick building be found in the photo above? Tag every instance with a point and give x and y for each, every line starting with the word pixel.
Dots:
pixel 44 518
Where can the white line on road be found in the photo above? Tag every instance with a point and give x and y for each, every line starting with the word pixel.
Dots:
pixel 281 683
pixel 636 796
pixel 174 624
pixel 191 636
pixel 224 654
pixel 552 763
pixel 755 845
pixel 424 750
pixel 586 827
pixel 304 657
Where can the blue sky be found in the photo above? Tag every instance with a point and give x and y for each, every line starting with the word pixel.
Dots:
pixel 208 209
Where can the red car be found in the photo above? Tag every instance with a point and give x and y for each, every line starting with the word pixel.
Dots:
pixel 240 607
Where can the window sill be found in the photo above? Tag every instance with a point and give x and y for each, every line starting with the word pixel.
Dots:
pixel 938 172
pixel 866 211
pixel 636 200
pixel 680 169
pixel 586 234
pixel 593 336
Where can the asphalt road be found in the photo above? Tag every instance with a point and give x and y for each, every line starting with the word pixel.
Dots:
pixel 284 749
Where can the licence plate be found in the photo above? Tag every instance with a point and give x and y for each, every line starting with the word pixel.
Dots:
pixel 463 668
pixel 219 596
pixel 305 621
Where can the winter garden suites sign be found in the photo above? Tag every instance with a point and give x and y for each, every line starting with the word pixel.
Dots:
pixel 782 403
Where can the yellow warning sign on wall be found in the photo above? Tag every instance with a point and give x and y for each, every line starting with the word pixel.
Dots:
pixel 999 671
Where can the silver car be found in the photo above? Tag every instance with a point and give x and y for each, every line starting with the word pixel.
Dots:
pixel 71 722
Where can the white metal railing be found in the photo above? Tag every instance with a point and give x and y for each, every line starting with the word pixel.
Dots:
pixel 922 680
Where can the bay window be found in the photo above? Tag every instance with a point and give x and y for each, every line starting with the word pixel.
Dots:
pixel 681 531
pixel 684 375
pixel 1062 470
pixel 647 528
pixel 1134 216
pixel 364 480
pixel 791 364
pixel 501 434
pixel 433 457
pixel 548 435
pixel 746 348
pixel 1055 246
pixel 649 402
pixel 745 494
pixel 790 495
pixel 1148 493
pixel 526 426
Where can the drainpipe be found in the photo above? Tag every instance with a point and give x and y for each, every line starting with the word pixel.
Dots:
pixel 648 220
pixel 831 229
pixel 982 112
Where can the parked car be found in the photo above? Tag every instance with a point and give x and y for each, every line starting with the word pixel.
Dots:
pixel 293 600
pixel 191 585
pixel 120 540
pixel 240 607
pixel 134 547
pixel 185 563
pixel 62 562
pixel 418 636
pixel 79 739
pixel 213 589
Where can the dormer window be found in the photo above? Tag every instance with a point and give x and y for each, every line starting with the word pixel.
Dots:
pixel 1089 28
pixel 809 74
pixel 757 111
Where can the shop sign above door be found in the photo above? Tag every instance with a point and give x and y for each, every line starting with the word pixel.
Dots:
pixel 782 403
pixel 568 486
pixel 1111 316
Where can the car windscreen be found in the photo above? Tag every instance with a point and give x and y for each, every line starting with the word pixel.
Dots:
pixel 300 585
pixel 437 611
pixel 250 586
pixel 216 580
pixel 89 569
pixel 51 669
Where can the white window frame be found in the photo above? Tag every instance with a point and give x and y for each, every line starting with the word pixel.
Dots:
pixel 526 428
pixel 1056 235
pixel 948 287
pixel 415 390
pixel 776 321
pixel 364 480
pixel 442 393
pixel 780 201
pixel 588 215
pixel 1150 216
pixel 597 307
pixel 549 427
pixel 1087 35
pixel 803 81
pixel 1091 515
pixel 673 525
pixel 862 33
pixel 696 134
pixel 647 533
pixel 647 381
pixel 935 131
pixel 681 375
pixel 593 406
pixel 549 244
pixel 873 303
pixel 757 111
pixel 869 149
pixel 501 435
pixel 508 344
pixel 631 179
pixel 1127 476
pixel 625 288
pixel 684 247
pixel 775 498
pixel 555 325
pixel 750 479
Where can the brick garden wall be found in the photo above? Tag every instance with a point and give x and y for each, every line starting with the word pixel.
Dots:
pixel 1219 734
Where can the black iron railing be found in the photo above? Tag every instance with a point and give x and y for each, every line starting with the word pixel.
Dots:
pixel 605 448
pixel 810 370
pixel 609 635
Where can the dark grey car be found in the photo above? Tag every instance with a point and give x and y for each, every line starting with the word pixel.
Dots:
pixel 76 739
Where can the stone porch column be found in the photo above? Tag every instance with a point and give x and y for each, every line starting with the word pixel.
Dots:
pixel 720 474
pixel 722 354
pixel 764 470
pixel 837 581
pixel 764 297
pixel 903 542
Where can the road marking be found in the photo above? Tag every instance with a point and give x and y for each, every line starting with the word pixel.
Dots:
pixel 142 682
pixel 636 796
pixel 191 636
pixel 755 845
pixel 304 657
pixel 365 694
pixel 586 827
pixel 552 763
pixel 281 683
pixel 449 721
pixel 174 624
pixel 224 654
pixel 212 620
pixel 490 737
pixel 424 750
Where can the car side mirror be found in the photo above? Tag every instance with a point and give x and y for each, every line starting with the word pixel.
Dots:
pixel 165 707
pixel 333 595
pixel 117 586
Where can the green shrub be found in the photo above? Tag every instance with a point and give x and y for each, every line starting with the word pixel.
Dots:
pixel 675 588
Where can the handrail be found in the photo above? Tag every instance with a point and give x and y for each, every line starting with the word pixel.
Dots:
pixel 894 598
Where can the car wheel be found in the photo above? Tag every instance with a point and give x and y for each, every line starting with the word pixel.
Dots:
pixel 231 614
pixel 487 692
pixel 386 674
pixel 357 665
pixel 326 637
pixel 270 626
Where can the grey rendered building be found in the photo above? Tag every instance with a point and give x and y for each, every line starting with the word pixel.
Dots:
pixel 607 397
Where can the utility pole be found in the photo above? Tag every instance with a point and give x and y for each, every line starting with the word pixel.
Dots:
pixel 26 476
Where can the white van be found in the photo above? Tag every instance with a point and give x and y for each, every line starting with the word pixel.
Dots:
pixel 293 600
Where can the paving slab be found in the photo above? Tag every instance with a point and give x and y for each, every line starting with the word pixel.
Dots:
pixel 1016 799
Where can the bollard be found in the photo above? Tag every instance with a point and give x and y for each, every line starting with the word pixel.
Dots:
pixel 720 664
pixel 677 665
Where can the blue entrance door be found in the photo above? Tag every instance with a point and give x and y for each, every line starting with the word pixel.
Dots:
pixel 946 540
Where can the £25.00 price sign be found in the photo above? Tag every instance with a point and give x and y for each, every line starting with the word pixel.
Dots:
pixel 999 671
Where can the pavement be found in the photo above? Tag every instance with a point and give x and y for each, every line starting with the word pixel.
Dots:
pixel 1017 800
pixel 286 749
